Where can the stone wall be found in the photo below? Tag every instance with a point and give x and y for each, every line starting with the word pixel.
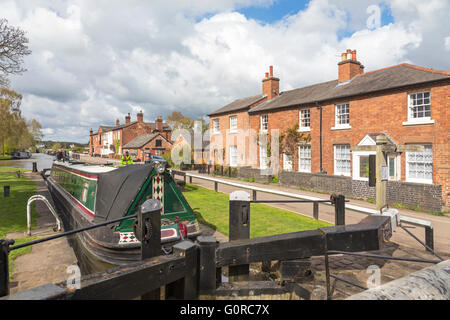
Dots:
pixel 248 172
pixel 426 196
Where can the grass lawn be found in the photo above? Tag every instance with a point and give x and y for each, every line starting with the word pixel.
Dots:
pixel 13 210
pixel 212 209
pixel 5 157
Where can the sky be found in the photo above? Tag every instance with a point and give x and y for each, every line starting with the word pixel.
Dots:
pixel 93 62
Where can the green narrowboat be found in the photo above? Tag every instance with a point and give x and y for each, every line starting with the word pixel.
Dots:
pixel 89 194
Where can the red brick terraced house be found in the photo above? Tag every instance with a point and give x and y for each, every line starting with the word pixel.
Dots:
pixel 408 104
pixel 106 140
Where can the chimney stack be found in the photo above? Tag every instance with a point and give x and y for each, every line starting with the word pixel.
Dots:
pixel 127 119
pixel 349 67
pixel 159 123
pixel 140 116
pixel 271 85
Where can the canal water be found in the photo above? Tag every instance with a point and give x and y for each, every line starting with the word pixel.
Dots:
pixel 43 160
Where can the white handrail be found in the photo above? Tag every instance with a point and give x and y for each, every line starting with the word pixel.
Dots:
pixel 44 199
pixel 413 221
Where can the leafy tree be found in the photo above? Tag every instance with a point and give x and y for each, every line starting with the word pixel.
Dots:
pixel 13 47
pixel 9 115
pixel 56 146
pixel 176 120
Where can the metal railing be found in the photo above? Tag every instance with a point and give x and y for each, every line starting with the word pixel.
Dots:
pixel 427 225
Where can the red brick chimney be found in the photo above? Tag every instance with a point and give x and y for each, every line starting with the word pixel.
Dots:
pixel 140 116
pixel 349 67
pixel 159 123
pixel 117 122
pixel 127 119
pixel 271 85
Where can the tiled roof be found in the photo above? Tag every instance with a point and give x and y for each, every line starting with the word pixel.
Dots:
pixel 140 141
pixel 238 104
pixel 389 78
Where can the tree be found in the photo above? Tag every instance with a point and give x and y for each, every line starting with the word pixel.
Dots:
pixel 177 120
pixel 13 47
pixel 9 115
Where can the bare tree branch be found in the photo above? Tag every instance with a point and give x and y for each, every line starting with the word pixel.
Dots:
pixel 13 47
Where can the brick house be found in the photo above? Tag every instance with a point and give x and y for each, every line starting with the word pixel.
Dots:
pixel 155 144
pixel 105 141
pixel 406 103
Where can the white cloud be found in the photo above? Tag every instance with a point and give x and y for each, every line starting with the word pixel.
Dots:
pixel 95 61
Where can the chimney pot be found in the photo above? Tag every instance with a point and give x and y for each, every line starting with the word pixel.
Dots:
pixel 117 122
pixel 354 55
pixel 271 71
pixel 267 75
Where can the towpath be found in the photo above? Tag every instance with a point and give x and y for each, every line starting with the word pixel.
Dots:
pixel 48 261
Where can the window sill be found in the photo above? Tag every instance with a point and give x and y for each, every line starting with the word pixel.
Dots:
pixel 417 122
pixel 346 127
pixel 419 181
pixel 307 129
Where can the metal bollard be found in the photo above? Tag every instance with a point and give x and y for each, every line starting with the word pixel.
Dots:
pixel 6 191
pixel 35 167
pixel 239 228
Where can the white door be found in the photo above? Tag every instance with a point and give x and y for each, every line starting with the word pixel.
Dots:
pixel 263 157
pixel 233 156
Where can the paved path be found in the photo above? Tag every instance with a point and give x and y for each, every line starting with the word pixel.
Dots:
pixel 48 261
pixel 441 224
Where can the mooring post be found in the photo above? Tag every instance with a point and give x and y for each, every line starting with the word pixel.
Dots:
pixel 207 267
pixel 209 169
pixel 254 195
pixel 186 288
pixel 216 186
pixel 4 270
pixel 339 209
pixel 35 167
pixel 221 170
pixel 148 230
pixel 6 191
pixel 190 179
pixel 239 228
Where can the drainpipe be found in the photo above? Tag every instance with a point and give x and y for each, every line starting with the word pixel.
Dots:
pixel 320 136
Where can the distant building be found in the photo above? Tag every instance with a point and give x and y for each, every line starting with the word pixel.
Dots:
pixel 109 141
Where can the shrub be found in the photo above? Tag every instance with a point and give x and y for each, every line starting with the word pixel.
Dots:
pixel 275 179
pixel 251 179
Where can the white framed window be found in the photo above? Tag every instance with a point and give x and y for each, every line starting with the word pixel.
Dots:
pixel 264 122
pixel 419 108
pixel 361 165
pixel 342 159
pixel 287 162
pixel 342 116
pixel 233 156
pixel 419 165
pixel 233 124
pixel 304 158
pixel 304 122
pixel 393 162
pixel 216 126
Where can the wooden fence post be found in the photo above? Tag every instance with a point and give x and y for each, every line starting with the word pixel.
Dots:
pixel 186 288
pixel 339 209
pixel 429 237
pixel 316 210
pixel 207 268
pixel 239 228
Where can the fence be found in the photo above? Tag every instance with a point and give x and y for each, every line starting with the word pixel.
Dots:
pixel 427 225
pixel 193 269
